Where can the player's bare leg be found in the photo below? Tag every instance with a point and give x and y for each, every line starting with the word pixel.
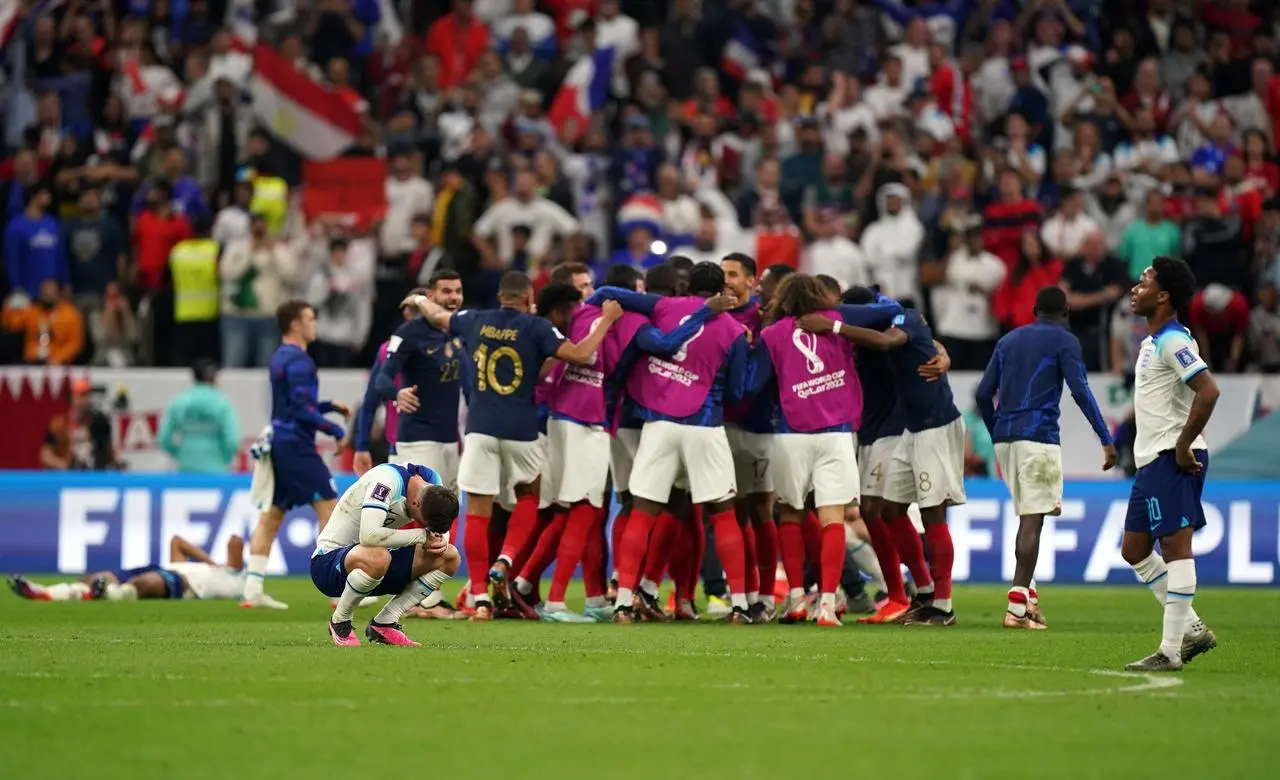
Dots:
pixel 520 530
pixel 1021 613
pixel 264 535
pixel 942 554
pixel 475 544
pixel 1184 636
pixel 430 572
pixel 890 564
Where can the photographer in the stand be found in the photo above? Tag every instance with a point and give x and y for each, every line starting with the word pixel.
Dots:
pixel 79 440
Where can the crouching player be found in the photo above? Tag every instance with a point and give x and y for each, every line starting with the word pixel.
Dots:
pixel 364 550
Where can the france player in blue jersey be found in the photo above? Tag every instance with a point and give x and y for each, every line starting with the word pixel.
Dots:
pixel 363 425
pixel 297 414
pixel 429 362
pixel 1173 396
pixel 927 464
pixel 1027 371
pixel 501 452
pixel 367 550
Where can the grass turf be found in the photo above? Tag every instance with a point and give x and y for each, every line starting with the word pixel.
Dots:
pixel 206 690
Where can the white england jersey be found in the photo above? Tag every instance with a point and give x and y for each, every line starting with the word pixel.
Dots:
pixel 381 487
pixel 1167 360
pixel 209 581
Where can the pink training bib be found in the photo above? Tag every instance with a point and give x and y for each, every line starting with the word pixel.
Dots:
pixel 818 385
pixel 679 385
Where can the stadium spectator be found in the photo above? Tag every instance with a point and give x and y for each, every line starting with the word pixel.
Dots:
pixel 193 270
pixel 1264 330
pixel 892 243
pixel 964 322
pixel 1093 281
pixel 1007 219
pixel 1220 323
pixel 33 249
pixel 80 439
pixel 341 290
pixel 1014 301
pixel 52 327
pixel 1065 232
pixel 257 275
pixel 408 195
pixel 458 40
pixel 156 230
pixel 114 331
pixel 1148 238
pixel 1213 242
pixel 96 251
pixel 199 429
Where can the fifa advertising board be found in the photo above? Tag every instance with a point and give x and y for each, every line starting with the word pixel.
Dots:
pixel 78 522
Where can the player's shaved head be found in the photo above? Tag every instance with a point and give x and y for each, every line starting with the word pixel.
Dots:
pixel 514 287
pixel 437 508
pixel 859 295
pixel 1051 302
pixel 662 280
pixel 624 276
pixel 706 279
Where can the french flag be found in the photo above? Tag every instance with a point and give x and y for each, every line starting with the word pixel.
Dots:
pixel 742 53
pixel 584 92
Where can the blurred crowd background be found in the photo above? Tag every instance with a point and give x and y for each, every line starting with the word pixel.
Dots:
pixel 157 205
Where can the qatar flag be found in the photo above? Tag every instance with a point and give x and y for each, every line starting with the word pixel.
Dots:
pixel 584 92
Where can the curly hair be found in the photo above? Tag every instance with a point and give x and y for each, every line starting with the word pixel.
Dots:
pixel 798 294
pixel 1175 277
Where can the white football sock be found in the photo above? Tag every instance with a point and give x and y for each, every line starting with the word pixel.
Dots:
pixel 769 601
pixel 738 600
pixel 523 586
pixel 596 602
pixel 124 592
pixel 827 601
pixel 556 606
pixel 255 570
pixel 433 599
pixel 649 587
pixel 625 598
pixel 942 604
pixel 795 596
pixel 1153 572
pixel 1018 606
pixel 359 585
pixel 865 556
pixel 1177 606
pixel 1033 595
pixel 414 593
pixel 68 591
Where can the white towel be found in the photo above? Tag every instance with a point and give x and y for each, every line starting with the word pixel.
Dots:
pixel 262 488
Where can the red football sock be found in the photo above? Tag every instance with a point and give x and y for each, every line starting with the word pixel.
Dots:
pixel 749 559
pixel 660 543
pixel 573 544
pixel 634 543
pixel 593 558
pixel 617 532
pixel 811 531
pixel 453 531
pixel 791 542
pixel 731 550
pixel 767 556
pixel 544 552
pixel 520 529
pixel 942 554
pixel 890 563
pixel 499 522
pixel 687 559
pixel 832 557
pixel 907 542
pixel 475 545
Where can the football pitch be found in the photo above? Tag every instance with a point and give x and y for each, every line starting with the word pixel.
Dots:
pixel 206 690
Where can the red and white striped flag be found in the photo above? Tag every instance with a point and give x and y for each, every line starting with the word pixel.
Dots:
pixel 312 118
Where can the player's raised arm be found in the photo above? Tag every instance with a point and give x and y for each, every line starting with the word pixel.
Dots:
pixel 432 312
pixel 665 344
pixel 640 303
pixel 985 395
pixel 877 316
pixel 861 337
pixel 581 352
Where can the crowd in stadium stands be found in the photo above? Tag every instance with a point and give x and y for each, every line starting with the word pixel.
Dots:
pixel 960 154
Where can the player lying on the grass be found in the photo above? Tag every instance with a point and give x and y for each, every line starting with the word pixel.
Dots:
pixel 1028 368
pixel 1173 397
pixel 190 574
pixel 365 550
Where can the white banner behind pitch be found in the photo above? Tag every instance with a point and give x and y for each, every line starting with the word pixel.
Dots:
pixel 150 390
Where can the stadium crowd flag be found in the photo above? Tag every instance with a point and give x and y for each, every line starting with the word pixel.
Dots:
pixel 584 91
pixel 313 119
pixel 12 17
pixel 743 53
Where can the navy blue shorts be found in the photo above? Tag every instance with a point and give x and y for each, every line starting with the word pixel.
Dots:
pixel 301 478
pixel 174 587
pixel 330 577
pixel 1165 499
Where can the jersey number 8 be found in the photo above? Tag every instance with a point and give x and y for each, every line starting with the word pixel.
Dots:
pixel 487 369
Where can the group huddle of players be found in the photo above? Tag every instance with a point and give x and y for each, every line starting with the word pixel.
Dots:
pixel 702 396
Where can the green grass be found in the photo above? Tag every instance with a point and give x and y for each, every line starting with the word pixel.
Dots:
pixel 205 690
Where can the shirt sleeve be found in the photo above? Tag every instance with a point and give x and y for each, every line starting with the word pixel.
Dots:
pixel 739 364
pixel 876 316
pixel 760 370
pixel 641 303
pixel 386 487
pixel 1179 352
pixel 1071 364
pixel 547 337
pixel 307 410
pixel 985 395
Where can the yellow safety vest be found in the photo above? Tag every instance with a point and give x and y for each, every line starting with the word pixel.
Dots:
pixel 271 199
pixel 194 264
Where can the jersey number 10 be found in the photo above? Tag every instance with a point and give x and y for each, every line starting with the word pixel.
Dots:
pixel 487 369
